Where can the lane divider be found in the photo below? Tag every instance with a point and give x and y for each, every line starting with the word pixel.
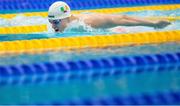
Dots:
pixel 12 74
pixel 99 41
pixel 155 98
pixel 23 29
pixel 106 10
pixel 14 6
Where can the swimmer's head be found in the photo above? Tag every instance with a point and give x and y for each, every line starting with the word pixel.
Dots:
pixel 57 12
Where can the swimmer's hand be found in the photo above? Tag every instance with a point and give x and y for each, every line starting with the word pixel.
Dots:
pixel 161 24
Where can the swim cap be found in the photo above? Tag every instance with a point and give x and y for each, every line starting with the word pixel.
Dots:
pixel 59 10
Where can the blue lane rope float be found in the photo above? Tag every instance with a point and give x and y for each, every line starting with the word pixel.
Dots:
pixel 11 75
pixel 157 98
pixel 108 11
pixel 30 5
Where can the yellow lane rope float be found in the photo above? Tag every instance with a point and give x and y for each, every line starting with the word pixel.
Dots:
pixel 54 44
pixel 23 29
pixel 106 10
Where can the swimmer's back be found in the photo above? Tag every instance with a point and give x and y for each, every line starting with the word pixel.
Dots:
pixel 97 20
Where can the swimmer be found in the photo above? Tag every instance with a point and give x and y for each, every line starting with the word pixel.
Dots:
pixel 59 15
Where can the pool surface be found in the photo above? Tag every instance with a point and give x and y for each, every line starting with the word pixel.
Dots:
pixel 142 73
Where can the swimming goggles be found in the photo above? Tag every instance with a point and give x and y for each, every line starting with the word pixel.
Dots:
pixel 55 22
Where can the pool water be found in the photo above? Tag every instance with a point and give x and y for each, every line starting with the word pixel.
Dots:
pixel 115 81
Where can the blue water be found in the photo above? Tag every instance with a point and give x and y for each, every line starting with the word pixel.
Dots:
pixel 124 84
pixel 151 81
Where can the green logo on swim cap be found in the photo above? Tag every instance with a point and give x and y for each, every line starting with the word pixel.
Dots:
pixel 62 9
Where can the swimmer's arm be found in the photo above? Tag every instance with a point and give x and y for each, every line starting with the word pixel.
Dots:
pixel 135 21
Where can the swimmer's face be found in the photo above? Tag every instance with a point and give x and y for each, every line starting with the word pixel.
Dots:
pixel 59 25
pixel 56 24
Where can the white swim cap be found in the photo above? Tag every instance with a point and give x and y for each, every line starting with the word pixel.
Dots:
pixel 59 10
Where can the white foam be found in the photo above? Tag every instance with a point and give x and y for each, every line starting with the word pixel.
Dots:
pixel 22 20
pixel 78 25
pixel 4 22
